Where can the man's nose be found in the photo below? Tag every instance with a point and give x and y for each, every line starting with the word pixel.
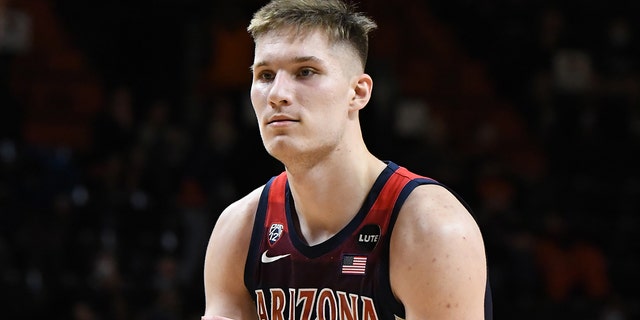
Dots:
pixel 280 92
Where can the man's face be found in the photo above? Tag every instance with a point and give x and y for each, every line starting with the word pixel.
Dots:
pixel 302 93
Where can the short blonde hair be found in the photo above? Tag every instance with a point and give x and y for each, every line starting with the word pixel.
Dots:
pixel 340 21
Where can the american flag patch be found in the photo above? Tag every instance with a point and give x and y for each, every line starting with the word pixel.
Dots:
pixel 352 264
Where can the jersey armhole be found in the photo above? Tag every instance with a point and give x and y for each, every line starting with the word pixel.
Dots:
pixel 256 234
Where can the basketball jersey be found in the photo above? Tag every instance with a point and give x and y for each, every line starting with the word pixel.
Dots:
pixel 346 276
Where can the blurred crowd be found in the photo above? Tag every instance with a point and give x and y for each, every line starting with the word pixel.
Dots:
pixel 529 109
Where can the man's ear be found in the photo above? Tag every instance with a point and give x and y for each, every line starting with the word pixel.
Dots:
pixel 362 91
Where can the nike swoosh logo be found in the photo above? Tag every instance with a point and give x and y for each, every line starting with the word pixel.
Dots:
pixel 267 259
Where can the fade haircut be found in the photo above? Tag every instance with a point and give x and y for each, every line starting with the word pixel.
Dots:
pixel 338 19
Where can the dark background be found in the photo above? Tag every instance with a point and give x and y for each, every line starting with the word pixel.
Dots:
pixel 125 128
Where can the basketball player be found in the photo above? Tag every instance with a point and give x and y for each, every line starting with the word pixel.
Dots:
pixel 340 234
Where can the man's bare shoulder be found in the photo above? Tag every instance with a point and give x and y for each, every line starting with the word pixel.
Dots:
pixel 232 231
pixel 242 211
pixel 432 214
pixel 226 255
pixel 437 207
pixel 438 265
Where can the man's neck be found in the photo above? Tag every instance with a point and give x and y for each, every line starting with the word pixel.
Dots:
pixel 328 196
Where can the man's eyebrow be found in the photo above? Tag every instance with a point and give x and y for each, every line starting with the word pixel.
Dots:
pixel 256 65
pixel 307 59
pixel 294 60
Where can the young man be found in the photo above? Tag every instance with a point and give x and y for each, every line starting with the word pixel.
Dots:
pixel 339 234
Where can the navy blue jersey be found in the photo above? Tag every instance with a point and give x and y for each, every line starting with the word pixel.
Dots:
pixel 345 277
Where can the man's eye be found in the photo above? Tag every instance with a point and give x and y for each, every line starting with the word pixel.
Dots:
pixel 265 76
pixel 306 72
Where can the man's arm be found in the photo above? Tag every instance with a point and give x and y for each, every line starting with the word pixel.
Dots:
pixel 437 258
pixel 225 292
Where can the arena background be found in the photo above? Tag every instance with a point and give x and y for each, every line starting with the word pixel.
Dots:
pixel 125 128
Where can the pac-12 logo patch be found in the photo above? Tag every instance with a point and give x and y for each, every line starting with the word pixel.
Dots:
pixel 275 231
pixel 368 237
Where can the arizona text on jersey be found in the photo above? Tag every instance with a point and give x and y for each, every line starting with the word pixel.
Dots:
pixel 311 303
